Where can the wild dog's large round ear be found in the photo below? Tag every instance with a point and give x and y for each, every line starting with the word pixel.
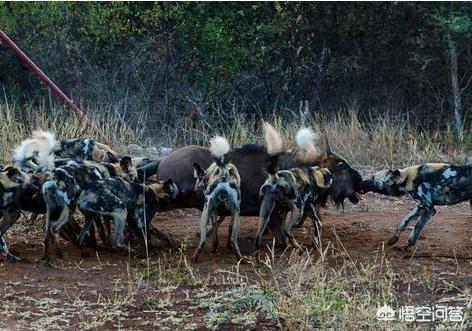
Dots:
pixel 112 158
pixel 170 187
pixel 395 173
pixel 198 172
pixel 227 158
pixel 15 175
pixel 126 163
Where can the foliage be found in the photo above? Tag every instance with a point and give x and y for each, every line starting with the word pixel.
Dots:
pixel 190 59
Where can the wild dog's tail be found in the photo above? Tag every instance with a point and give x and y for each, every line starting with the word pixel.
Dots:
pixel 314 145
pixel 38 148
pixel 265 211
pixel 274 147
pixel 219 147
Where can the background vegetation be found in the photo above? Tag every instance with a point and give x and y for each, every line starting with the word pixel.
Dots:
pixel 214 62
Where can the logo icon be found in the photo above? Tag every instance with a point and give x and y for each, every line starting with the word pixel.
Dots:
pixel 385 313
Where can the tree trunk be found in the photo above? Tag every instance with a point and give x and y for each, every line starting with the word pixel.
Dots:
pixel 455 85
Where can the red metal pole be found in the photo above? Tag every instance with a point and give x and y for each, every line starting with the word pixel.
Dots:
pixel 48 81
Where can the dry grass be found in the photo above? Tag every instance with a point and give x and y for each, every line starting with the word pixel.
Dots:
pixel 381 141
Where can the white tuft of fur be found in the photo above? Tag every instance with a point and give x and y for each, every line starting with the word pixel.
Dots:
pixel 305 139
pixel 219 146
pixel 41 144
pixel 273 140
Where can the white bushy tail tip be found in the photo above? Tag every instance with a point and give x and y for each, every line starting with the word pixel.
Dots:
pixel 305 138
pixel 273 140
pixel 219 146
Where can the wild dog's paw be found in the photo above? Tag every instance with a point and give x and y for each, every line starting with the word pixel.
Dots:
pixel 393 239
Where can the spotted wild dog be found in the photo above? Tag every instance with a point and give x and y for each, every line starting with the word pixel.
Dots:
pixel 28 197
pixel 61 191
pixel 12 184
pixel 429 184
pixel 290 190
pixel 40 151
pixel 121 200
pixel 220 184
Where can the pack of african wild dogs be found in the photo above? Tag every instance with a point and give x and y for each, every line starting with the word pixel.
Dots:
pixel 118 196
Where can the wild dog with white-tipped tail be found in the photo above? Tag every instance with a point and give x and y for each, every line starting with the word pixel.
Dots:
pixel 290 190
pixel 221 185
pixel 38 153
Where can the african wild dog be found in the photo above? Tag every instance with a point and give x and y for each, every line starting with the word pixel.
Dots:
pixel 28 197
pixel 122 200
pixel 12 183
pixel 290 190
pixel 61 191
pixel 38 153
pixel 220 184
pixel 428 184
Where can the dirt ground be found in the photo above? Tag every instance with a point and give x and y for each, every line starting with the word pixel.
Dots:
pixel 104 290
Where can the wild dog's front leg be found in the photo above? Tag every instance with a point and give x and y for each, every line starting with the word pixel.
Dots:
pixel 203 231
pixel 413 214
pixel 235 223
pixel 427 214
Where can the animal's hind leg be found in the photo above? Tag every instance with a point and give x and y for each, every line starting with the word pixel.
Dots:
pixel 55 227
pixel 235 223
pixel 210 231
pixel 119 216
pixel 413 214
pixel 86 228
pixel 316 219
pixel 294 218
pixel 276 227
pixel 427 214
pixel 203 231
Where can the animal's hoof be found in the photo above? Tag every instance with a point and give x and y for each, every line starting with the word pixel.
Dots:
pixel 393 240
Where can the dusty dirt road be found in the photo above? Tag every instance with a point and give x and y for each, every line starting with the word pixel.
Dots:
pixel 108 290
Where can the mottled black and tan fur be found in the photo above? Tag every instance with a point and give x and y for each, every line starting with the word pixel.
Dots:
pixel 429 184
pixel 62 190
pixel 291 191
pixel 121 200
pixel 221 185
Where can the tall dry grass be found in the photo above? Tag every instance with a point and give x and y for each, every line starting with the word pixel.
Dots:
pixel 382 141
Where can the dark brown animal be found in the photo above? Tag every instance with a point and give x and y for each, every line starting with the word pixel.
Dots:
pixel 251 161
